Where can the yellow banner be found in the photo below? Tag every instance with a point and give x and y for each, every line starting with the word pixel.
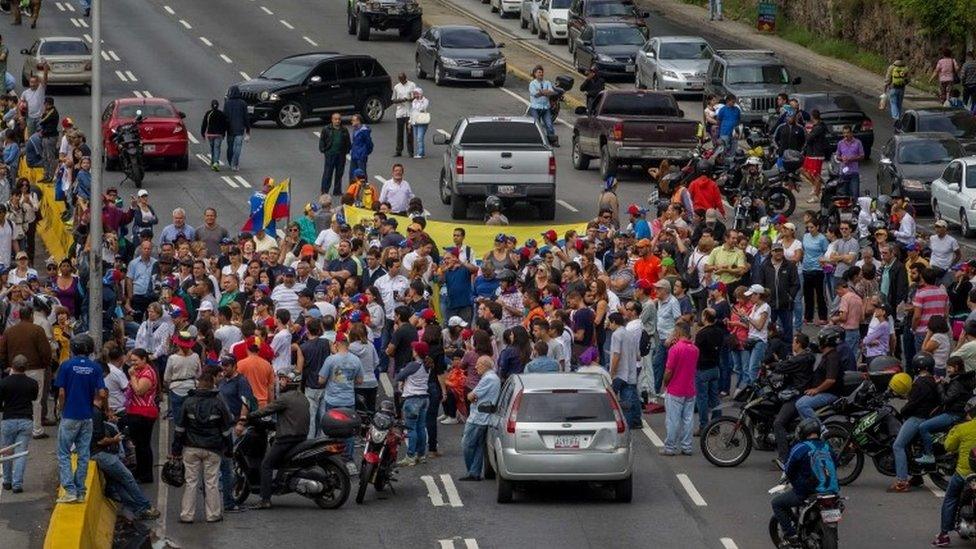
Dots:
pixel 480 237
pixel 57 238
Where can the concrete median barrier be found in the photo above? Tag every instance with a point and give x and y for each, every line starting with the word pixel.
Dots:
pixel 88 525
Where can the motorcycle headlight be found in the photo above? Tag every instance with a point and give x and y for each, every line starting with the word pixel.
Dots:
pixel 746 201
pixel 558 20
pixel 449 62
pixel 913 184
pixel 669 74
pixel 264 95
pixel 274 97
pixel 377 436
pixel 605 58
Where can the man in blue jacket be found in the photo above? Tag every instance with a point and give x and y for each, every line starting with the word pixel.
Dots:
pixel 362 146
pixel 238 126
pixel 811 469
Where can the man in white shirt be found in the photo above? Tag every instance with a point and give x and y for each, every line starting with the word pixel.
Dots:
pixel 402 97
pixel 281 342
pixel 227 334
pixel 392 286
pixel 905 234
pixel 116 382
pixel 34 97
pixel 945 249
pixel 285 295
pixel 323 303
pixel 7 243
pixel 396 191
pixel 327 239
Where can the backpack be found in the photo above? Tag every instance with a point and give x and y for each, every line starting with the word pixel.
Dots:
pixel 899 76
pixel 645 344
pixel 822 468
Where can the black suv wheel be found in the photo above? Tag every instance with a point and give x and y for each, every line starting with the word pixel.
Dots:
pixel 290 115
pixel 372 109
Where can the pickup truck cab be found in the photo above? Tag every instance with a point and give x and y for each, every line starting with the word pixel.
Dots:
pixel 508 157
pixel 632 127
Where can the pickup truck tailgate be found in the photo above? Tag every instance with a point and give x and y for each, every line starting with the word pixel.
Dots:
pixel 649 131
pixel 512 165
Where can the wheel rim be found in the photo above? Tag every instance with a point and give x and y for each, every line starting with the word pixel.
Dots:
pixel 723 439
pixel 240 484
pixel 777 201
pixel 443 187
pixel 964 222
pixel 576 152
pixel 290 115
pixel 836 439
pixel 374 108
pixel 437 74
pixel 332 491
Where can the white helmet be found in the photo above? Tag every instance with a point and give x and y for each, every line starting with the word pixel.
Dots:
pixel 753 161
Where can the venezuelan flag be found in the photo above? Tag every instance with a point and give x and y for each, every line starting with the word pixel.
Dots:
pixel 266 208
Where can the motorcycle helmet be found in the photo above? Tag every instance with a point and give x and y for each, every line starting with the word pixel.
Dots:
pixel 970 407
pixel 507 275
pixel 387 406
pixel 493 204
pixel 753 161
pixel 923 361
pixel 82 345
pixel 831 336
pixel 173 473
pixel 807 427
pixel 900 384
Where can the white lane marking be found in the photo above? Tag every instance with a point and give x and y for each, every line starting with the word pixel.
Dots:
pixel 387 386
pixel 651 435
pixel 137 93
pixel 244 75
pixel 111 53
pixel 131 76
pixel 105 56
pixel 452 493
pixel 266 10
pixel 433 492
pixel 121 76
pixel 728 543
pixel 470 543
pixel 82 22
pixel 69 6
pixel 446 543
pixel 380 178
pixel 75 22
pixel 88 37
pixel 566 205
pixel 206 41
pixel 286 24
pixel 933 488
pixel 317 134
pixel 310 41
pixel 203 158
pixel 693 493
pixel 192 139
pixel 226 59
pixel 443 132
pixel 525 102
pixel 162 494
pixel 243 182
pixel 229 180
pixel 185 24
pixel 169 10
pixel 145 93
pixel 59 5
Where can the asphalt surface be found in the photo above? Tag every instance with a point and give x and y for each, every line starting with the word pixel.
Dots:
pixel 159 51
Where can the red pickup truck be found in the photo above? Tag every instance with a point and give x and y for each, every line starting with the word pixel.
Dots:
pixel 636 127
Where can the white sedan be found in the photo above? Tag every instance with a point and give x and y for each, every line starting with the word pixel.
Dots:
pixel 954 194
pixel 553 17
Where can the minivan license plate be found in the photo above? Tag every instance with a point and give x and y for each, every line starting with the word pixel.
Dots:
pixel 567 441
pixel 506 189
pixel 630 68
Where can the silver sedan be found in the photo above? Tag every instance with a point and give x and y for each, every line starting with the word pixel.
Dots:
pixel 69 58
pixel 673 63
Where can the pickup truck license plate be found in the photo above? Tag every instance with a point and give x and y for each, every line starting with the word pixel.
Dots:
pixel 630 68
pixel 149 148
pixel 567 441
pixel 506 189
pixel 477 74
pixel 666 153
pixel 830 516
pixel 250 109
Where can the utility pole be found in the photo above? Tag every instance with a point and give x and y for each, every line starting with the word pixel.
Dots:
pixel 95 232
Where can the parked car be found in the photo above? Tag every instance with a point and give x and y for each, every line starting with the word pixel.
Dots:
pixel 632 127
pixel 954 195
pixel 836 110
pixel 404 15
pixel 956 121
pixel 460 53
pixel 505 7
pixel 612 47
pixel 584 12
pixel 674 63
pixel 553 16
pixel 558 427
pixel 508 157
pixel 314 85
pixel 529 15
pixel 755 77
pixel 161 130
pixel 69 59
pixel 910 162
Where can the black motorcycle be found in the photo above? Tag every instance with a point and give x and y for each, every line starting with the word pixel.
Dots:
pixel 966 512
pixel 836 205
pixel 382 445
pixel 312 468
pixel 816 520
pixel 129 143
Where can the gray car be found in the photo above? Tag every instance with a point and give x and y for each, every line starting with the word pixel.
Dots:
pixel 69 58
pixel 559 427
pixel 674 63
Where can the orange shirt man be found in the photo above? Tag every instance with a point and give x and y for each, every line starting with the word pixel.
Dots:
pixel 259 374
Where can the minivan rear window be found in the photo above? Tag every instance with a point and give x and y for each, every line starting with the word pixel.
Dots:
pixel 491 132
pixel 560 407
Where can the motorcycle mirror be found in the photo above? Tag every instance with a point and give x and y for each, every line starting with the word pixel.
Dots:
pixel 182 114
pixel 25 51
pixel 580 111
pixel 315 79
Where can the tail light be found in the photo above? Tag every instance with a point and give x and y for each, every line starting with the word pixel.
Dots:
pixel 618 131
pixel 867 124
pixel 88 65
pixel 617 414
pixel 459 165
pixel 513 417
pixel 552 165
pixel 178 128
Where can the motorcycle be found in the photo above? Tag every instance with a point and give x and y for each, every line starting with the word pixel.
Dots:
pixel 129 143
pixel 966 512
pixel 835 204
pixel 312 468
pixel 816 520
pixel 382 444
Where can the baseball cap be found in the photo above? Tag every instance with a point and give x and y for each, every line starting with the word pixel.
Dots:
pixel 500 237
pixel 265 289
pixel 942 223
pixel 455 321
pixel 226 241
pixel 643 243
pixel 426 314
pixel 720 286
pixel 531 243
pixel 205 306
pixel 390 221
pixel 67 122
pixel 663 283
pixel 307 292
pixel 142 192
pixel 322 288
pixel 635 210
pixel 288 271
pixel 756 289
pixel 356 316
pixel 778 245
pixel 307 250
pixel 22 255
pixel 421 348
pixel 359 172
pixel 550 235
pixel 780 219
pixel 789 225
pixel 913 247
pixel 552 300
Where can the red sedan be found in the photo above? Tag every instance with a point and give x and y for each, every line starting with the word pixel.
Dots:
pixel 162 130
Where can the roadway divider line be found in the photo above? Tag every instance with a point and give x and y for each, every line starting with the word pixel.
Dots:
pixel 206 41
pixel 310 41
pixel 229 180
pixel 286 24
pixel 137 93
pixel 385 382
pixel 693 492
pixel 185 24
pixel 446 543
pixel 651 435
pixel 566 205
pixel 88 37
pixel 69 6
pixel 453 497
pixel 75 22
pixel 226 59
pixel 525 102
pixel 728 543
pixel 936 491
pixel 380 179
pixel 169 10
pixel 82 22
pixel 433 492
pixel 59 5
pixel 470 543
pixel 244 75
pixel 105 56
pixel 132 77
pixel 266 10
pixel 243 182
pixel 111 53
pixel 203 158
pixel 190 136
pixel 317 134
pixel 121 76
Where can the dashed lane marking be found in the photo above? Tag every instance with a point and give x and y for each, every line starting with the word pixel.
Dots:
pixel 206 41
pixel 443 132
pixel 192 139
pixel 169 10
pixel 933 488
pixel 60 6
pixel 203 158
pixel 266 10
pixel 380 178
pixel 82 23
pixel 310 41
pixel 229 180
pixel 185 24
pixel 469 543
pixel 69 6
pixel 453 497
pixel 75 22
pixel 132 77
pixel 121 76
pixel 525 102
pixel 433 492
pixel 226 59
pixel 244 75
pixel 105 56
pixel 112 54
pixel 651 435
pixel 693 493
pixel 286 24
pixel 88 37
pixel 317 134
pixel 243 182
pixel 728 543
pixel 566 205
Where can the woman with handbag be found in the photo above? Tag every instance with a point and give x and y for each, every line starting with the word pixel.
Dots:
pixel 141 411
pixel 419 120
pixel 947 71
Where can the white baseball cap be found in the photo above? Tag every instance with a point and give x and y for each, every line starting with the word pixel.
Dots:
pixel 756 289
pixel 142 192
pixel 455 321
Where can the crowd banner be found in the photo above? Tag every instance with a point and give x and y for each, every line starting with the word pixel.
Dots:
pixel 479 236
pixel 54 234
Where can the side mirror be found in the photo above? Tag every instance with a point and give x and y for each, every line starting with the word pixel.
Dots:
pixel 644 14
pixel 440 139
pixel 650 54
pixel 487 408
pixel 315 80
pixel 580 111
pixel 797 81
pixel 500 45
pixel 681 113
pixel 953 187
pixel 181 113
pixel 25 51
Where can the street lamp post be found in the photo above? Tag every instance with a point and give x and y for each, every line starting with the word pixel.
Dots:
pixel 95 229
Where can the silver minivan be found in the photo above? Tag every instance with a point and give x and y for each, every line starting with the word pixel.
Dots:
pixel 558 427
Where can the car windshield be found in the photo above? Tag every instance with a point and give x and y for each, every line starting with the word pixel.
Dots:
pixel 933 151
pixel 971 178
pixel 758 74
pixel 609 9
pixel 685 50
pixel 148 111
pixel 467 39
pixel 289 71
pixel 639 104
pixel 618 36
pixel 560 4
pixel 565 406
pixel 71 47
pixel 958 124
pixel 494 132
pixel 830 103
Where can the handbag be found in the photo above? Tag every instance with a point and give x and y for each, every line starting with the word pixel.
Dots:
pixel 751 343
pixel 421 118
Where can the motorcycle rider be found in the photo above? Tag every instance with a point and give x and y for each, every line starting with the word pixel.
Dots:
pixel 828 377
pixel 493 211
pixel 753 178
pixel 959 388
pixel 960 441
pixel 791 135
pixel 797 371
pixel 291 428
pixel 923 398
pixel 811 469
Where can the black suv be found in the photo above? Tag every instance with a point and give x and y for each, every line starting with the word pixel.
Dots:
pixel 314 85
pixel 404 15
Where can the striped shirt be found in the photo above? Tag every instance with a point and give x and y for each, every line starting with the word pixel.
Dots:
pixel 931 301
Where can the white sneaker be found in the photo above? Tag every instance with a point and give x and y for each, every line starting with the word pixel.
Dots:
pixel 408 461
pixel 67 498
pixel 450 421
pixel 441 417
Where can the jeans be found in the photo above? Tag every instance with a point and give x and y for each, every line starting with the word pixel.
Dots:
pixel 706 394
pixel 473 447
pixel 783 506
pixel 544 117
pixel 935 424
pixel 908 348
pixel 12 431
pixel 905 436
pixel 678 415
pixel 805 405
pixel 419 132
pixel 175 405
pixel 85 4
pixel 50 153
pixel 120 482
pixel 415 419
pixel 314 397
pixel 783 320
pixel 75 433
pixel 335 166
pixel 854 185
pixel 660 359
pixel 629 402
pixel 402 130
pixel 37 405
pixel 725 371
pixel 798 307
pixel 430 418
pixel 895 98
pixel 756 356
pixel 235 144
pixel 740 365
pixel 951 503
pixel 215 143
pixel 715 9
pixel 813 295
pixel 227 481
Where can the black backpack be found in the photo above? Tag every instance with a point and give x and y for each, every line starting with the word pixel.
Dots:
pixel 645 344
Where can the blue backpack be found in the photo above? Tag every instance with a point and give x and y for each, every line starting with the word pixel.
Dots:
pixel 822 467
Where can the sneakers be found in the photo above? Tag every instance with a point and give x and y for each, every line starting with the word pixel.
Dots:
pixel 450 421
pixel 67 498
pixel 8 486
pixel 899 487
pixel 668 453
pixel 441 417
pixel 422 458
pixel 18 490
pixel 261 505
pixel 215 167
pixel 942 540
pixel 149 514
pixel 925 459
pixel 469 478
pixel 686 452
pixel 408 461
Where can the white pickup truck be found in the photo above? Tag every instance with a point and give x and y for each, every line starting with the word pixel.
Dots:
pixel 508 157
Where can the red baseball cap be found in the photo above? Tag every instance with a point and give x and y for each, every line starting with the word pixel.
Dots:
pixel 550 235
pixel 421 348
pixel 427 314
